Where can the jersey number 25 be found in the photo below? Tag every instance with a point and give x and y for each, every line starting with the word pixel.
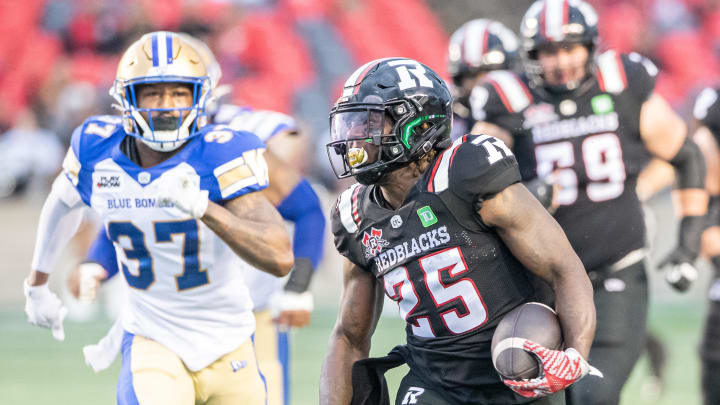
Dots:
pixel 464 292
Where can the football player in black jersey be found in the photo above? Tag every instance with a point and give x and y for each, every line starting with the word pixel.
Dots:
pixel 447 231
pixel 476 48
pixel 707 112
pixel 585 120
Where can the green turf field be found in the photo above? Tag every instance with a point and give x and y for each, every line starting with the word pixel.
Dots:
pixel 36 370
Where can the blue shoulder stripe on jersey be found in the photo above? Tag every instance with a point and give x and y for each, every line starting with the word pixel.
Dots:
pixel 92 142
pixel 156 60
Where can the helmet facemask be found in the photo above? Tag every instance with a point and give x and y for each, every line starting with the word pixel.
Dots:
pixel 163 134
pixel 370 140
pixel 157 58
pixel 538 74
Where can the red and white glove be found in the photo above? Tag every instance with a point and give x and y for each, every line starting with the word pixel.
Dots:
pixel 560 370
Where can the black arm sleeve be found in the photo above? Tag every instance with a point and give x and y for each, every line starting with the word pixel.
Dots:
pixel 689 164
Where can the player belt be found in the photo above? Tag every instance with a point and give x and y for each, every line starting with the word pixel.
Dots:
pixel 628 260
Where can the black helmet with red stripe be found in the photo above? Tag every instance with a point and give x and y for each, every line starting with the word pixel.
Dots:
pixel 392 112
pixel 549 24
pixel 481 45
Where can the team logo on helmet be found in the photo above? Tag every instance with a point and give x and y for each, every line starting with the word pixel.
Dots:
pixel 373 242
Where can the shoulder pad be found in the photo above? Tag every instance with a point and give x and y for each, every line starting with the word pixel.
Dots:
pixel 611 73
pixel 264 124
pixel 474 166
pixel 235 159
pixel 616 70
pixel 513 92
pixel 347 208
pixel 90 140
pixel 704 101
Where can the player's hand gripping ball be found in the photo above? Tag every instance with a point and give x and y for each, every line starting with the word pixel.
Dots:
pixel 529 368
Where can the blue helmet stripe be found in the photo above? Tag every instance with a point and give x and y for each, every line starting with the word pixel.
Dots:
pixel 156 61
pixel 168 41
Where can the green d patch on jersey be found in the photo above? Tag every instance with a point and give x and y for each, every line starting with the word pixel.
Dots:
pixel 427 216
pixel 602 104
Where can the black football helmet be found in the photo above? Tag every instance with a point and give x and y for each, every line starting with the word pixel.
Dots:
pixel 553 23
pixel 481 45
pixel 392 112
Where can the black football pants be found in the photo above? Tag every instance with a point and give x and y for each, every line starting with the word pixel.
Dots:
pixel 621 301
pixel 413 391
pixel 710 347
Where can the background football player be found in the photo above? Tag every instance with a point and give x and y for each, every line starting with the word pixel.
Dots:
pixel 586 120
pixel 424 206
pixel 707 113
pixel 179 201
pixel 476 48
pixel 276 307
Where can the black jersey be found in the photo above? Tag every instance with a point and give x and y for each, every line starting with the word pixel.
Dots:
pixel 463 120
pixel 707 111
pixel 451 275
pixel 587 141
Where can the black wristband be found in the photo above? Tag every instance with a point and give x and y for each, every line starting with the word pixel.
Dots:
pixel 715 260
pixel 300 276
pixel 691 229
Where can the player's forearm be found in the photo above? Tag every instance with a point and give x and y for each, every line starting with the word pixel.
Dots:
pixel 59 220
pixel 265 245
pixel 336 374
pixel 690 197
pixel 576 309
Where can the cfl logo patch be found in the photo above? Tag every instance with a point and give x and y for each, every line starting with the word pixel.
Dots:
pixel 411 397
pixel 237 364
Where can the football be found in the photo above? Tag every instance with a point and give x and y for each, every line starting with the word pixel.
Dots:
pixel 533 321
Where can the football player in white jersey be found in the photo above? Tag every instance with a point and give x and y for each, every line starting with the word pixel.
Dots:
pixel 278 305
pixel 178 200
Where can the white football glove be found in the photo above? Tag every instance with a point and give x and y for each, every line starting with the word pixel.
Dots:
pixel 44 308
pixel 282 301
pixel 291 309
pixel 91 275
pixel 182 189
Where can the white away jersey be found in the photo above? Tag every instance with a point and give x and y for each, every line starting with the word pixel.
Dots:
pixel 186 290
pixel 264 124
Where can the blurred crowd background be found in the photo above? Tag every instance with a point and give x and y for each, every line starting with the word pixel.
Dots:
pixel 58 57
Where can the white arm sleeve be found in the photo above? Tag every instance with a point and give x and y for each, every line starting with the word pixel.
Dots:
pixel 59 220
